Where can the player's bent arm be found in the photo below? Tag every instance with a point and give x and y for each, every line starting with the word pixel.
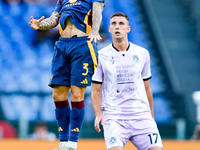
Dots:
pixel 149 95
pixel 97 9
pixel 96 98
pixel 50 22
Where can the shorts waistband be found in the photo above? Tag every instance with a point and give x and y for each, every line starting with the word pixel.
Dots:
pixel 74 38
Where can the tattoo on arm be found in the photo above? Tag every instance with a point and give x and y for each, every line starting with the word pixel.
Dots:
pixel 50 22
pixel 96 17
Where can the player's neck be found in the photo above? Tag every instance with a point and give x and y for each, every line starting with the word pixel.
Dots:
pixel 121 46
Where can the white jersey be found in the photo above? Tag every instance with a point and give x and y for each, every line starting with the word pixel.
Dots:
pixel 122 75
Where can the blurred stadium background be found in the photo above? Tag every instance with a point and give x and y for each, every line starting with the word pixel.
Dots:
pixel 169 29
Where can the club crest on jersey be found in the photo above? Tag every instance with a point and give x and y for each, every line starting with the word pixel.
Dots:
pixel 72 1
pixel 113 140
pixel 136 58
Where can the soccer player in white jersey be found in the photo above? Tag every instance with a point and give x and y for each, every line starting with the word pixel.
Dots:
pixel 121 93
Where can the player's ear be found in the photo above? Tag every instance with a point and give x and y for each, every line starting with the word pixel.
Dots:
pixel 109 29
pixel 128 29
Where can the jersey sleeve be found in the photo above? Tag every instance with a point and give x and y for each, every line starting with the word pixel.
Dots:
pixel 98 74
pixel 58 6
pixel 146 71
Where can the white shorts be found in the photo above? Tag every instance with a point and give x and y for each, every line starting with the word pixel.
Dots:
pixel 142 133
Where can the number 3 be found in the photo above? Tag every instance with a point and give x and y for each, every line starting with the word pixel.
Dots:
pixel 85 66
pixel 152 136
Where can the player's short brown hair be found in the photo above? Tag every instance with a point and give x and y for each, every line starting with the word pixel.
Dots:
pixel 120 14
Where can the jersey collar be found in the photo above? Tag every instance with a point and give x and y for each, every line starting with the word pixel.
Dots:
pixel 118 50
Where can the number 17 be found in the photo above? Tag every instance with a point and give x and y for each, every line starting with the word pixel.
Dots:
pixel 152 136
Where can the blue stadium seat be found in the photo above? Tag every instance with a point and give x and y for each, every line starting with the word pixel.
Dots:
pixel 162 110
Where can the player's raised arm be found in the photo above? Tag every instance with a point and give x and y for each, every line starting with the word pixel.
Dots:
pixel 45 24
pixel 97 9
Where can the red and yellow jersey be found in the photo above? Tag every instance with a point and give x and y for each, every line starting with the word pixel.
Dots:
pixel 79 11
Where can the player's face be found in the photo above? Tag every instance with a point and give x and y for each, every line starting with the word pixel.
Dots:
pixel 119 27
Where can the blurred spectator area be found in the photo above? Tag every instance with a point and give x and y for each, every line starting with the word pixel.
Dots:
pixel 25 60
pixel 194 10
pixel 7 130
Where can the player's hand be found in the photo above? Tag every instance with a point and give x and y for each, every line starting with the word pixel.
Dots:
pixel 94 36
pixel 35 24
pixel 99 119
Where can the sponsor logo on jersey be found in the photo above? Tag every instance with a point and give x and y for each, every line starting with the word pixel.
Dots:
pixel 136 58
pixel 75 130
pixel 113 140
pixel 85 81
pixel 102 108
pixel 73 3
pixel 129 90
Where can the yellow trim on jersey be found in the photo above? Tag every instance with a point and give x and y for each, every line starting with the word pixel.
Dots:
pixel 88 27
pixel 92 52
pixel 60 29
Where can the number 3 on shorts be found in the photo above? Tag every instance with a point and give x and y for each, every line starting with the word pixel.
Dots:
pixel 85 66
pixel 153 138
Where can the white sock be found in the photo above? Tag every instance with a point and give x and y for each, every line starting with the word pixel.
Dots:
pixel 72 144
pixel 63 144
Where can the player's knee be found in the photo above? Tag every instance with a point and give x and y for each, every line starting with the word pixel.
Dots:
pixel 76 95
pixel 58 96
pixel 55 96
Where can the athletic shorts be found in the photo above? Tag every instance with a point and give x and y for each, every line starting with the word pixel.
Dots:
pixel 74 62
pixel 142 133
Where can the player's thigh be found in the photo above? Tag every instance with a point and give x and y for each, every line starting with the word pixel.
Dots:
pixel 83 64
pixel 148 141
pixel 77 93
pixel 115 135
pixel 155 148
pixel 116 148
pixel 60 93
pixel 60 68
pixel 147 135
